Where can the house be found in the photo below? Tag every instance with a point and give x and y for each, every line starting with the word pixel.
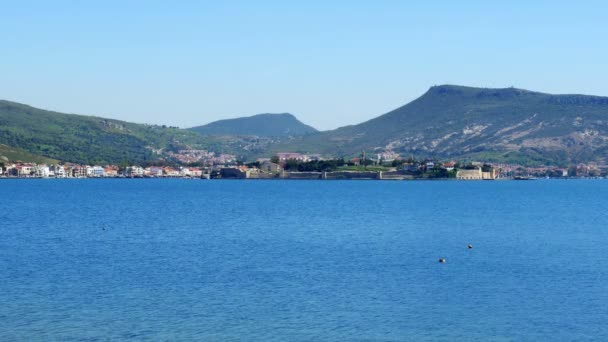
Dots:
pixel 97 171
pixel 79 171
pixel 135 171
pixel 270 167
pixel 196 172
pixel 42 171
pixel 387 156
pixel 171 172
pixel 58 171
pixel 410 167
pixel 24 170
pixel 449 165
pixel 154 171
pixel 315 156
pixel 285 156
pixel 224 159
pixel 110 171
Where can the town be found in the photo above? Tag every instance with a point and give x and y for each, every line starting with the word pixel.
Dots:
pixel 200 164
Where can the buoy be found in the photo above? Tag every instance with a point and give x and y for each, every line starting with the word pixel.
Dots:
pixel 442 260
pixel 470 246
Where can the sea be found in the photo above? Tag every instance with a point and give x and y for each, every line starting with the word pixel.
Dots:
pixel 273 260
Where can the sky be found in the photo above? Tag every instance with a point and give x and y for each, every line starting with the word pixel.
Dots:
pixel 330 63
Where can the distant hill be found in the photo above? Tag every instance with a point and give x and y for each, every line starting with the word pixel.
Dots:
pixel 509 125
pixel 87 139
pixel 265 125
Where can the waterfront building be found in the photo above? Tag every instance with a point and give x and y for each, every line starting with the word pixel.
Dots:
pixel 41 171
pixel 171 172
pixel 476 174
pixel 25 170
pixel 270 167
pixel 195 172
pixel 134 171
pixel 110 171
pixel 97 171
pixel 233 172
pixel 154 171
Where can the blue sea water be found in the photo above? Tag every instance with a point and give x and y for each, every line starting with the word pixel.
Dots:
pixel 202 260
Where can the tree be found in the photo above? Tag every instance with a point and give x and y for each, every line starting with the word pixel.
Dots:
pixel 486 168
pixel 123 164
pixel 397 162
pixel 291 165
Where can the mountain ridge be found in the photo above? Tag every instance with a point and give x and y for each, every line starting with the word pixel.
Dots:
pixel 447 121
pixel 265 124
pixel 500 124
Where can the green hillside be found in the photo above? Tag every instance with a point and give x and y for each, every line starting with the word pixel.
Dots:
pixel 265 125
pixel 13 154
pixel 87 139
pixel 508 125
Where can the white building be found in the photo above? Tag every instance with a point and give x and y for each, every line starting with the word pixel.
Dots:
pixel 25 170
pixel 42 171
pixel 97 171
pixel 154 171
pixel 135 171
pixel 59 171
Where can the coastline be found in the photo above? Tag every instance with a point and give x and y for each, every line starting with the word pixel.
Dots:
pixel 300 179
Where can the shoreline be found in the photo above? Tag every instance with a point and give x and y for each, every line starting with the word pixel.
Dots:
pixel 300 179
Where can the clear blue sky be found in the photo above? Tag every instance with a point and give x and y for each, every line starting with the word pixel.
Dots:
pixel 332 63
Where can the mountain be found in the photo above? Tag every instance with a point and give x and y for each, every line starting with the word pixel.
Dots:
pixel 265 125
pixel 503 125
pixel 447 122
pixel 88 139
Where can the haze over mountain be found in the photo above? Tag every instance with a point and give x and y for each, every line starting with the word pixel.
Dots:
pixel 489 124
pixel 268 125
